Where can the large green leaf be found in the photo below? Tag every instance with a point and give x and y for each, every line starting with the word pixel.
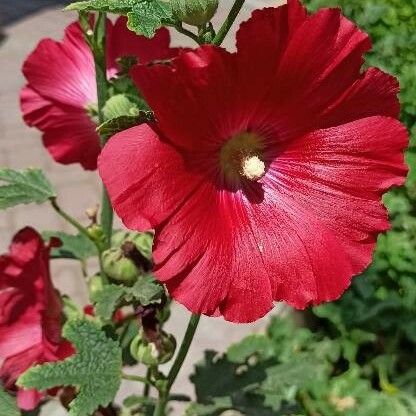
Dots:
pixel 95 369
pixel 144 16
pixel 24 187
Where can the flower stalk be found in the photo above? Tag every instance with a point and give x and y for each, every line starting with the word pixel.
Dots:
pixel 165 388
pixel 98 49
pixel 225 28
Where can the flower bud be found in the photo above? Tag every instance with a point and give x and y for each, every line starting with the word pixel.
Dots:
pixel 194 12
pixel 153 353
pixel 119 268
pixel 95 284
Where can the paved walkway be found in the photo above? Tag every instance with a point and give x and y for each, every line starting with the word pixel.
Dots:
pixel 21 147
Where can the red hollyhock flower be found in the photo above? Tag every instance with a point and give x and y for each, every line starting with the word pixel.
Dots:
pixel 30 314
pixel 62 88
pixel 264 174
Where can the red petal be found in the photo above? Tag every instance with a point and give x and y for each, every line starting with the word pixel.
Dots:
pixel 69 133
pixel 343 170
pixel 63 72
pixel 192 98
pixel 124 42
pixel 139 170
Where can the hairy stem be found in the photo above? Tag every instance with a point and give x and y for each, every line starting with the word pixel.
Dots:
pixel 99 51
pixel 225 28
pixel 139 379
pixel 71 220
pixel 160 409
pixel 188 33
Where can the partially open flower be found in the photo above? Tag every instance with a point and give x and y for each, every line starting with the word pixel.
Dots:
pixel 30 314
pixel 60 97
pixel 264 184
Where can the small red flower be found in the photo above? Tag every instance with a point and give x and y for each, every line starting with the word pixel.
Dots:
pixel 30 314
pixel 264 174
pixel 62 88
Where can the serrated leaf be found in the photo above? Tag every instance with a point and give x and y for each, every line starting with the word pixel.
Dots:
pixel 95 369
pixel 146 290
pixel 24 187
pixel 119 105
pixel 147 16
pixel 107 299
pixel 116 125
pixel 8 406
pixel 73 246
pixel 111 6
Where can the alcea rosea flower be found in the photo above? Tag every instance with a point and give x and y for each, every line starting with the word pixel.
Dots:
pixel 30 314
pixel 61 88
pixel 264 172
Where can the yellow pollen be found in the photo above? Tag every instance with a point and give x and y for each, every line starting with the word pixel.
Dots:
pixel 242 157
pixel 253 168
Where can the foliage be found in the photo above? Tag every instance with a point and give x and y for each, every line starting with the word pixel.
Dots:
pixel 144 16
pixel 8 405
pixel 95 369
pixel 24 187
pixel 145 291
pixel 72 246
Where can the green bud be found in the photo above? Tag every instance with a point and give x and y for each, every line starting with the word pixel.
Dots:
pixel 194 12
pixel 95 285
pixel 119 268
pixel 149 354
pixel 142 241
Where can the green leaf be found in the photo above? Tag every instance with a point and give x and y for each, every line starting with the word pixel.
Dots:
pixel 147 16
pixel 119 105
pixel 95 369
pixel 8 406
pixel 73 246
pixel 144 16
pixel 24 187
pixel 118 124
pixel 111 6
pixel 106 300
pixel 146 290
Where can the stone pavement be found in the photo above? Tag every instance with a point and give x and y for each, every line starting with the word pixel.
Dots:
pixel 21 147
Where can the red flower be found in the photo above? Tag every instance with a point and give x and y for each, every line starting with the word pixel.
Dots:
pixel 30 313
pixel 264 174
pixel 62 88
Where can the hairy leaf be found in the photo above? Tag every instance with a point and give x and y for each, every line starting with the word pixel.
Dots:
pixel 111 127
pixel 95 369
pixel 24 187
pixel 73 246
pixel 8 406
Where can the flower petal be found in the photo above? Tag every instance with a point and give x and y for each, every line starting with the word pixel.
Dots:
pixel 123 42
pixel 194 98
pixel 64 71
pixel 69 134
pixel 343 170
pixel 139 170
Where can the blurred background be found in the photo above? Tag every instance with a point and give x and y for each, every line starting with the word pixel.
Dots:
pixel 360 351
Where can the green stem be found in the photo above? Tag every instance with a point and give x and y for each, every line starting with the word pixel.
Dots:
pixel 146 390
pixel 225 28
pixel 99 51
pixel 139 379
pixel 188 33
pixel 69 219
pixel 160 409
